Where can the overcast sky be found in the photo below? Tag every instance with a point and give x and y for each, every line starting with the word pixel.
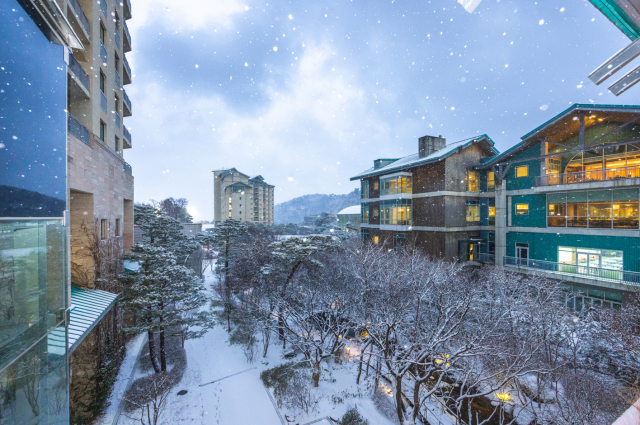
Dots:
pixel 309 93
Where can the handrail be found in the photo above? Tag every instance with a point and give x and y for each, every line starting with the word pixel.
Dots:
pixel 78 71
pixel 589 176
pixel 622 276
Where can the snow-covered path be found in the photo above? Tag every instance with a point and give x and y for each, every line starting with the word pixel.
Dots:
pixel 239 399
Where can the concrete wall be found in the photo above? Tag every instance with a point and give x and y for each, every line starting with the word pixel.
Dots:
pixel 457 165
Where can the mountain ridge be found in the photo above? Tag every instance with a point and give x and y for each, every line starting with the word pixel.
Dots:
pixel 294 210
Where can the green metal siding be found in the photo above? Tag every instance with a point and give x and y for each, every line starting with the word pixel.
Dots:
pixel 537 211
pixel 544 246
pixel 618 16
pixel 517 183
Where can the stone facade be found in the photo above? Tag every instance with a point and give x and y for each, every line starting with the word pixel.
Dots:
pixel 237 196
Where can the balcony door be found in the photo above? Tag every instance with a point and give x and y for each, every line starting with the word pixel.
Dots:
pixel 522 253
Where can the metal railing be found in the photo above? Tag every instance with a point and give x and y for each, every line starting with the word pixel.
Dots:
pixel 622 276
pixel 118 120
pixel 78 130
pixel 589 176
pixel 103 6
pixel 103 102
pixel 126 134
pixel 127 168
pixel 103 52
pixel 487 258
pixel 77 70
pixel 118 85
pixel 80 16
pixel 117 37
pixel 127 101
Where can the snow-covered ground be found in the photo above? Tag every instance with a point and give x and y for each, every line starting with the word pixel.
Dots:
pixel 238 396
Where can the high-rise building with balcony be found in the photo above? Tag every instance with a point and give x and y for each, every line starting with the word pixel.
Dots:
pixel 236 195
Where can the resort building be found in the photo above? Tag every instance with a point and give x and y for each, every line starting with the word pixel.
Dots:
pixel 563 201
pixel 349 219
pixel 237 196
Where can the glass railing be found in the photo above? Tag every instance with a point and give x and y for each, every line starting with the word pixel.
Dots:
pixel 103 102
pixel 117 37
pixel 126 65
pixel 127 135
pixel 103 6
pixel 589 176
pixel 78 130
pixel 127 101
pixel 126 6
pixel 118 85
pixel 127 168
pixel 486 258
pixel 623 276
pixel 126 33
pixel 118 120
pixel 103 52
pixel 80 16
pixel 77 70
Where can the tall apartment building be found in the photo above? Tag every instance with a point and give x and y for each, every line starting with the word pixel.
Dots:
pixel 563 202
pixel 236 195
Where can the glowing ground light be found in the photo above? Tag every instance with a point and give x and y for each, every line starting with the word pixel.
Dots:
pixel 503 396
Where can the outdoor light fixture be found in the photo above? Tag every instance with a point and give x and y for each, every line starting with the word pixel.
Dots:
pixel 503 396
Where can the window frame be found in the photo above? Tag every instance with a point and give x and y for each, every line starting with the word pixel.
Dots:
pixel 522 167
pixel 104 229
pixel 103 130
pixel 522 213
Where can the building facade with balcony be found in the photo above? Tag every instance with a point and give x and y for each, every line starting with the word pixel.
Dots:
pixel 426 199
pixel 563 201
pixel 238 196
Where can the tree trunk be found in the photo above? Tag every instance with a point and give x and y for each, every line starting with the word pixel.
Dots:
pixel 416 400
pixel 360 368
pixel 266 337
pixel 315 376
pixel 152 352
pixel 163 355
pixel 398 397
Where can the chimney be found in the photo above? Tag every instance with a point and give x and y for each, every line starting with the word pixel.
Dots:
pixel 430 144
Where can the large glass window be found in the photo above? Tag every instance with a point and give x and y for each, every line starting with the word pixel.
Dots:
pixel 364 189
pixel 473 211
pixel 492 215
pixel 365 214
pixel 491 180
pixel 472 181
pixel 396 212
pixel 395 185
pixel 601 209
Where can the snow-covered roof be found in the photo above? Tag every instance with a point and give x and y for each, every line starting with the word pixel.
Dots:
pixel 355 209
pixel 415 160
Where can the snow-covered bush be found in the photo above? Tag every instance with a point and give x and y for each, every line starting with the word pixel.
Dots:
pixel 291 388
pixel 353 417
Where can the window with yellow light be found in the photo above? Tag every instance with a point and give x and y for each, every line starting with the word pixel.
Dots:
pixel 522 171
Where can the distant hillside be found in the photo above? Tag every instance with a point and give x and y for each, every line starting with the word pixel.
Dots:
pixel 293 211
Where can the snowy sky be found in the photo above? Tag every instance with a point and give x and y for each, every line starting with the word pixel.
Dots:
pixel 308 94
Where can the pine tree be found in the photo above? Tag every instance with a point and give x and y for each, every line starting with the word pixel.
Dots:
pixel 164 296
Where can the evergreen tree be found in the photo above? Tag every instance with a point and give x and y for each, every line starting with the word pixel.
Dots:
pixel 164 295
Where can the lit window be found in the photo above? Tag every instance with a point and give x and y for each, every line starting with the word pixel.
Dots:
pixel 104 229
pixel 376 239
pixel 395 185
pixel 522 171
pixel 472 181
pixel 473 211
pixel 522 209
pixel 376 186
pixel 364 191
pixel 491 180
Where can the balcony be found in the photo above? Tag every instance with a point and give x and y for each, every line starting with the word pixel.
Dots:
pixel 487 258
pixel 127 72
pixel 103 102
pixel 103 53
pixel 78 130
pixel 127 137
pixel 572 270
pixel 127 168
pixel 589 176
pixel 103 6
pixel 80 77
pixel 118 120
pixel 127 37
pixel 117 37
pixel 118 85
pixel 126 6
pixel 80 17
pixel 127 104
